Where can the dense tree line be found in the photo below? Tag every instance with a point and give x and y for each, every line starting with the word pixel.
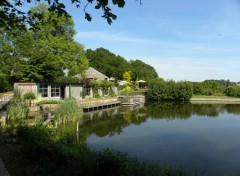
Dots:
pixel 115 66
pixel 160 90
pixel 217 88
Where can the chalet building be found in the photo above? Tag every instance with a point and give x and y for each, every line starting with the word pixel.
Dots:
pixel 48 90
pixel 58 91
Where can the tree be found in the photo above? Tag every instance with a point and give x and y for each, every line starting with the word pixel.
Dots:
pixel 107 62
pixel 160 90
pixel 141 70
pixel 47 48
pixel 12 14
pixel 128 82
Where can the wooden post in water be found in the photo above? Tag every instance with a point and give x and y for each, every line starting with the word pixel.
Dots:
pixel 77 126
pixel 77 131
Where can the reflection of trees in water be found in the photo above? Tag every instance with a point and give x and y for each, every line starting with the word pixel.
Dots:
pixel 233 108
pixel 112 122
pixel 169 110
pixel 210 110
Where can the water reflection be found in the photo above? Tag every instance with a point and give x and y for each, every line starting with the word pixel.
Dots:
pixel 112 122
pixel 203 136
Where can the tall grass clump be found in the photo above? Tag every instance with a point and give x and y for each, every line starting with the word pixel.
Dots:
pixel 16 110
pixel 68 110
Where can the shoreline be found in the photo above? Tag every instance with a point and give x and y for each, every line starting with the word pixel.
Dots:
pixel 215 100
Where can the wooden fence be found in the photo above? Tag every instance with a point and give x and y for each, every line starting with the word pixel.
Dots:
pixel 5 98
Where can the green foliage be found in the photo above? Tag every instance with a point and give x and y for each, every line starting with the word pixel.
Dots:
pixel 16 110
pixel 52 50
pixel 68 110
pixel 233 91
pixel 4 82
pixel 126 90
pixel 29 96
pixel 107 63
pixel 12 15
pixel 115 66
pixel 127 77
pixel 94 84
pixel 47 154
pixel 208 87
pixel 48 102
pixel 160 90
pixel 141 70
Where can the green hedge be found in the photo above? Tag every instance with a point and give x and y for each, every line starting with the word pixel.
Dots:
pixel 160 90
pixel 49 102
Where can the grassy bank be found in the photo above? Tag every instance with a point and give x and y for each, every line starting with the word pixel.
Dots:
pixel 37 150
pixel 214 96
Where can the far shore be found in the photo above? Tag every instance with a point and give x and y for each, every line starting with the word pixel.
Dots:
pixel 215 100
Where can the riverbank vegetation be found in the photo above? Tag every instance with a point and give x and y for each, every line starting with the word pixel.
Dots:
pixel 161 90
pixel 36 150
pixel 68 110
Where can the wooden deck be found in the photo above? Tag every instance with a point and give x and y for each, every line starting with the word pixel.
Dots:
pixel 97 107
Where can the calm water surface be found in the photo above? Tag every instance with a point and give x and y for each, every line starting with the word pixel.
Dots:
pixel 194 136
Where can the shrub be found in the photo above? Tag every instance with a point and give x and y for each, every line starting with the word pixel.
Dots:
pixel 29 96
pixel 16 111
pixel 160 90
pixel 49 102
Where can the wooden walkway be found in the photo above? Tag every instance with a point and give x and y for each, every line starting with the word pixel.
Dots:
pixel 97 107
pixel 5 98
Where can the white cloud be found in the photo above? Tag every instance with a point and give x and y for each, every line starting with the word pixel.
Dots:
pixel 193 69
pixel 117 37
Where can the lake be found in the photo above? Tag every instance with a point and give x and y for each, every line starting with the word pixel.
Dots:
pixel 205 137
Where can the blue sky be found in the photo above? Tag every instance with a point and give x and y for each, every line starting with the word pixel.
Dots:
pixel 182 39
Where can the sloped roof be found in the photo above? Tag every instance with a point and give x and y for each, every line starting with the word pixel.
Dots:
pixel 92 74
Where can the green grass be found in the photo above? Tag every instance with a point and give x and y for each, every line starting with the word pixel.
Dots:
pixel 214 96
pixel 49 102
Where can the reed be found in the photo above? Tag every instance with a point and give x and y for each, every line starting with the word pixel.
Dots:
pixel 16 110
pixel 68 110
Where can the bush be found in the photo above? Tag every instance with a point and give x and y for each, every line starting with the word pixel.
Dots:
pixel 160 90
pixel 16 110
pixel 233 91
pixel 29 96
pixel 49 102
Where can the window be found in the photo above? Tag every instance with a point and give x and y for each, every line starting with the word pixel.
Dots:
pixel 55 91
pixel 43 90
pixel 88 91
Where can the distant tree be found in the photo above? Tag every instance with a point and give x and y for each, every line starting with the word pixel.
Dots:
pixel 107 63
pixel 115 66
pixel 142 70
pixel 209 87
pixel 160 90
pixel 233 91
